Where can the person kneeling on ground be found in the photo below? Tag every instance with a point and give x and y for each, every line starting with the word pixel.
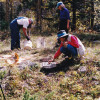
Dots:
pixel 70 46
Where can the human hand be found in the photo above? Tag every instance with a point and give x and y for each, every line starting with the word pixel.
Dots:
pixel 65 44
pixel 51 61
pixel 68 27
pixel 27 37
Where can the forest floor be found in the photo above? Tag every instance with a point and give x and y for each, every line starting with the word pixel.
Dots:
pixel 69 80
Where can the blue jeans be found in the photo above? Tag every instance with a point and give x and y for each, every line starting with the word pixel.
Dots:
pixel 15 35
pixel 69 51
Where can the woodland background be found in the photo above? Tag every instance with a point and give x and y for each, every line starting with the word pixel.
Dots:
pixel 70 80
pixel 85 14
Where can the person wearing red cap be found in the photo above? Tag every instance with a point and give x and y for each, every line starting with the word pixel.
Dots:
pixel 15 26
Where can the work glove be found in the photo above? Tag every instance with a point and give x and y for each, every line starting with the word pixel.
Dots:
pixel 27 38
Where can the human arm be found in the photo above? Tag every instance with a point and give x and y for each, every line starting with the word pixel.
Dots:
pixel 57 54
pixel 29 31
pixel 68 23
pixel 68 18
pixel 26 28
pixel 25 33
pixel 74 41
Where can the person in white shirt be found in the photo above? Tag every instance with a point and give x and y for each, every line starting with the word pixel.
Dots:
pixel 15 26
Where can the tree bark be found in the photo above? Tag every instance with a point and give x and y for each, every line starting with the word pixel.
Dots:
pixel 92 14
pixel 74 15
pixel 39 12
pixel 11 12
pixel 7 10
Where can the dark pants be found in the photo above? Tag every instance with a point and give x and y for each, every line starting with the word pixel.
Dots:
pixel 15 35
pixel 63 25
pixel 69 51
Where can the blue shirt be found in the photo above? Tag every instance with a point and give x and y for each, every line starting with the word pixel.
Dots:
pixel 64 14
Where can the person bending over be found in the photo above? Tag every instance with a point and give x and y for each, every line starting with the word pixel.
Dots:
pixel 15 26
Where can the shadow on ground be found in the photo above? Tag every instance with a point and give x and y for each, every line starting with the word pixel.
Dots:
pixel 63 66
pixel 5 51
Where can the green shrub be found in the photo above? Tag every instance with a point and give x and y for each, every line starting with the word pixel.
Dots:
pixel 3 25
pixel 2 74
pixel 27 96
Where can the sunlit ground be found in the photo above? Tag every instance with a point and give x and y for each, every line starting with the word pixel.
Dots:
pixel 69 85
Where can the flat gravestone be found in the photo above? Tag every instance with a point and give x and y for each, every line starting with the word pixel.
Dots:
pixel 27 63
pixel 47 65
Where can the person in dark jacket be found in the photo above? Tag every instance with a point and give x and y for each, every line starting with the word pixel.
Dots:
pixel 15 26
pixel 64 17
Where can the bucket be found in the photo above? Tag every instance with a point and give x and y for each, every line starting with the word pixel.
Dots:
pixel 28 45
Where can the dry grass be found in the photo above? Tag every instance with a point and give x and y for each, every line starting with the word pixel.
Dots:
pixel 57 85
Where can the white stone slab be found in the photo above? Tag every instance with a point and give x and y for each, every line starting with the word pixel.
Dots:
pixel 47 65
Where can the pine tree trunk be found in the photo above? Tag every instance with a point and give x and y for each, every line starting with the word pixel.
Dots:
pixel 39 12
pixel 11 14
pixel 92 14
pixel 74 15
pixel 7 10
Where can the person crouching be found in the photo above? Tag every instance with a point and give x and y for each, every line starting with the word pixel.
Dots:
pixel 70 46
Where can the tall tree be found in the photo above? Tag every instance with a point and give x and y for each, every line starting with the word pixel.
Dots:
pixel 92 14
pixel 7 10
pixel 11 12
pixel 76 7
pixel 74 15
pixel 39 14
pixel 2 12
